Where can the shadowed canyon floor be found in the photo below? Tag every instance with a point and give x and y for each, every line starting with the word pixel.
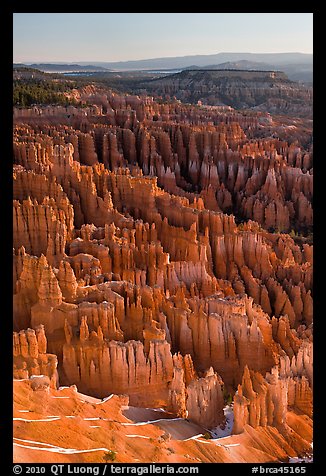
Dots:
pixel 162 270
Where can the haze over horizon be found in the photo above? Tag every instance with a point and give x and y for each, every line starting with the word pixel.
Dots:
pixel 113 37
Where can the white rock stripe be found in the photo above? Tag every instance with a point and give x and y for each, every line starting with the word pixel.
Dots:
pixel 36 442
pixel 202 441
pixel 211 441
pixel 57 449
pixel 140 423
pixel 105 399
pixel 52 396
pixel 98 403
pixel 193 437
pixel 214 442
pixel 41 419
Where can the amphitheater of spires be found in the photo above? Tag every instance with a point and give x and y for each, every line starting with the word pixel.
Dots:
pixel 163 251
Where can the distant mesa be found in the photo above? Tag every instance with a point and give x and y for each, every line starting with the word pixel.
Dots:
pixel 242 64
pixel 266 90
pixel 63 68
pixel 298 66
pixel 296 72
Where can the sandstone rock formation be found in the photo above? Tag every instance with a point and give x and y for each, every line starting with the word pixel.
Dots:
pixel 163 251
pixel 30 357
pixel 265 401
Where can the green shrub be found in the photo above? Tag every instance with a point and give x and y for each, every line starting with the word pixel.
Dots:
pixel 110 455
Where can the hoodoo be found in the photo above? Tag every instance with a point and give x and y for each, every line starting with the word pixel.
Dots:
pixel 163 271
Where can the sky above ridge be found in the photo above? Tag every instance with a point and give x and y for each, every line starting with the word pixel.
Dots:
pixel 73 37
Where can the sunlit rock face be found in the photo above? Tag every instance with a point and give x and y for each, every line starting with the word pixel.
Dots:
pixel 163 252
